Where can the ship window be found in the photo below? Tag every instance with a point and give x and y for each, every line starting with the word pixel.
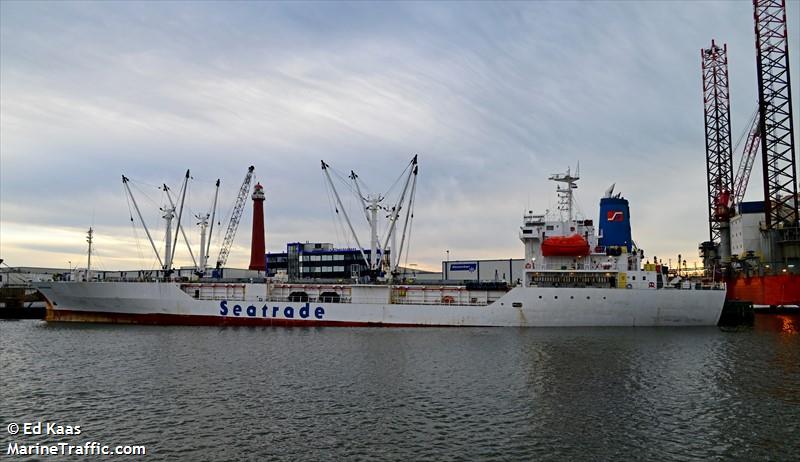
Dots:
pixel 587 298
pixel 298 297
pixel 540 296
pixel 634 278
pixel 604 298
pixel 556 297
pixel 571 297
pixel 549 227
pixel 644 278
pixel 330 297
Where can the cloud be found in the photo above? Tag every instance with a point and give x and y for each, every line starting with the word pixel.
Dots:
pixel 494 97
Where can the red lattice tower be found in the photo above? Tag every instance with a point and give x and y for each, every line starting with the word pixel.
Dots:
pixel 775 114
pixel 719 154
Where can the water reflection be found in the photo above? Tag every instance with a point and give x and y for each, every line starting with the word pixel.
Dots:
pixel 781 323
pixel 414 394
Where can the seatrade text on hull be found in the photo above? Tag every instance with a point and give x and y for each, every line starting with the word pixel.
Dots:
pixel 286 312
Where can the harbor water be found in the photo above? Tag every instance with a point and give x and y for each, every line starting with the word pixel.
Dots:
pixel 216 393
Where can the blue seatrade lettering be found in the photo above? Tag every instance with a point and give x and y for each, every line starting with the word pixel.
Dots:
pixel 287 312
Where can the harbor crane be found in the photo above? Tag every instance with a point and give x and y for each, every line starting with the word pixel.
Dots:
pixel 236 216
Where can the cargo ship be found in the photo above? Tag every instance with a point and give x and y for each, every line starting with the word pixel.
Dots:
pixel 574 275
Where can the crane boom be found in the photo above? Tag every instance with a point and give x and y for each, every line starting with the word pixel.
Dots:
pixel 751 149
pixel 238 208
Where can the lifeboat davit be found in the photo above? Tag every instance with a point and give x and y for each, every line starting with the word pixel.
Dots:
pixel 565 246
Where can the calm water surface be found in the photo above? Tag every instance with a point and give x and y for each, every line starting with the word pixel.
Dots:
pixel 195 393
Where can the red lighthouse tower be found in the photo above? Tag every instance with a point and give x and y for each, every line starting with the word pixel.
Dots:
pixel 257 248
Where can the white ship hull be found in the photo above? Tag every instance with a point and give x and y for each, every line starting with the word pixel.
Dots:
pixel 169 303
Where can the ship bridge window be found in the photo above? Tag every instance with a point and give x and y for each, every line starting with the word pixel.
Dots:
pixel 549 227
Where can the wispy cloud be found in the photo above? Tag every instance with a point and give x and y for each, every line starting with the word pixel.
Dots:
pixel 493 96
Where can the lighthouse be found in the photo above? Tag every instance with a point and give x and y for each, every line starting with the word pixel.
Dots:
pixel 257 248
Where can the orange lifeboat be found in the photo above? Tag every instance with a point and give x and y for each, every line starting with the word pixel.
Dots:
pixel 565 246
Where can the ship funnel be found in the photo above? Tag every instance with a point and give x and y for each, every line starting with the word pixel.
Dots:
pixel 615 224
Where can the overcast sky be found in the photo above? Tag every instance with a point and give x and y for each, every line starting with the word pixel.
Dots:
pixel 493 97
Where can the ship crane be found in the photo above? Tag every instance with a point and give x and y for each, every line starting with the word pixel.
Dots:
pixel 371 204
pixel 236 216
pixel 751 149
pixel 169 214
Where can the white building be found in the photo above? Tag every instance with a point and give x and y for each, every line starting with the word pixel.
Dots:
pixel 745 229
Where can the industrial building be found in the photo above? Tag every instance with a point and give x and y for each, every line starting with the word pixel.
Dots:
pixel 506 270
pixel 317 260
pixel 323 261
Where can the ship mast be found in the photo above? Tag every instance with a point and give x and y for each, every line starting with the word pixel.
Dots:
pixel 565 196
pixel 89 238
pixel 169 214
pixel 180 228
pixel 203 223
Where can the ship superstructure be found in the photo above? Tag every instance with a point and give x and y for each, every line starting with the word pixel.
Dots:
pixel 567 252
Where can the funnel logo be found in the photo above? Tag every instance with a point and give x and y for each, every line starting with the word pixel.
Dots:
pixel 615 215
